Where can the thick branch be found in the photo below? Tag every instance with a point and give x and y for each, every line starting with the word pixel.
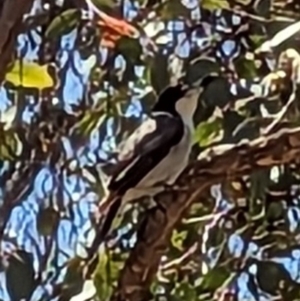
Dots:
pixel 10 24
pixel 215 165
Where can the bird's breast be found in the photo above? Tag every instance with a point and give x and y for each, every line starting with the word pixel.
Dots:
pixel 168 170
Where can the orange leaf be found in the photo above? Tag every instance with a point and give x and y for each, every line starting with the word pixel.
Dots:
pixel 109 38
pixel 120 26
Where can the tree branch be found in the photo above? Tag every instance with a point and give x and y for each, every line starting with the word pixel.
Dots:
pixel 10 24
pixel 214 165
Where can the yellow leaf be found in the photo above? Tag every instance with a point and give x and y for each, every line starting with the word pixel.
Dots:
pixel 29 75
pixel 214 4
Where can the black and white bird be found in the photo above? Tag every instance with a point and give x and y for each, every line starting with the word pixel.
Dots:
pixel 156 153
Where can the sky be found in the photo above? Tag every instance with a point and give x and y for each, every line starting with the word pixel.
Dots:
pixel 77 194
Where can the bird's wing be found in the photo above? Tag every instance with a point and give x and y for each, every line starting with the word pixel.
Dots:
pixel 144 149
pixel 141 152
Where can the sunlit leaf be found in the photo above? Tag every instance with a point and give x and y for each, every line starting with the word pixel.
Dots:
pixel 29 74
pixel 89 122
pixel 10 145
pixel 208 132
pixel 178 238
pixel 100 279
pixel 8 116
pixel 63 23
pixel 214 4
pixel 257 39
pixel 106 274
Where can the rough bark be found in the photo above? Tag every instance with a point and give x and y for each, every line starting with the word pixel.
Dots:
pixel 215 165
pixel 11 17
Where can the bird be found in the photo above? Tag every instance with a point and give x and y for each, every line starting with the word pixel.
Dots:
pixel 156 153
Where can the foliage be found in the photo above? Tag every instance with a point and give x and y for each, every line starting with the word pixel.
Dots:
pixel 81 79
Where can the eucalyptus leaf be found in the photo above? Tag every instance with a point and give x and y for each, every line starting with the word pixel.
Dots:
pixel 208 132
pixel 106 274
pixel 214 4
pixel 29 74
pixel 178 238
pixel 173 10
pixel 47 221
pixel 63 23
pixel 104 3
pixel 214 279
pixel 10 146
pixel 20 276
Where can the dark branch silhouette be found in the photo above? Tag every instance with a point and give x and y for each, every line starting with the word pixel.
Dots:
pixel 216 164
pixel 11 17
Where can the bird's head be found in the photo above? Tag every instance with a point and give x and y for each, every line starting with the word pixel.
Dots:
pixel 182 99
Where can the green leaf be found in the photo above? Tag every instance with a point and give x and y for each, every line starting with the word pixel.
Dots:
pixel 178 238
pixel 90 121
pixel 263 8
pixel 214 279
pixel 104 3
pixel 47 221
pixel 257 39
pixel 130 48
pixel 29 74
pixel 173 10
pixel 158 74
pixel 106 274
pixel 259 181
pixel 208 132
pixel 201 67
pixel 185 290
pixel 245 68
pixel 10 145
pixel 63 23
pixel 73 280
pixel 7 117
pixel 214 4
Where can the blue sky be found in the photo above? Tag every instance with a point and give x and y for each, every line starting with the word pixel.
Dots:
pixel 77 193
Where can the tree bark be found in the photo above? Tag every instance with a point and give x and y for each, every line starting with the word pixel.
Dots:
pixel 11 18
pixel 214 165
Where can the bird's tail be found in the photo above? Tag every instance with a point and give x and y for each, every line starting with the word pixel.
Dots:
pixel 108 210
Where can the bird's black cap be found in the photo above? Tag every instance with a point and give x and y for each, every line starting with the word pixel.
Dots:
pixel 168 97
